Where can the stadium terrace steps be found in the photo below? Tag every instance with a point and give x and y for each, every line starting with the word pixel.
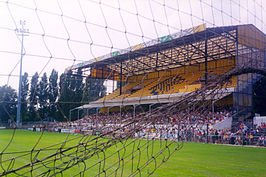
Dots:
pixel 116 93
pixel 165 85
pixel 146 91
pixel 190 88
pixel 168 84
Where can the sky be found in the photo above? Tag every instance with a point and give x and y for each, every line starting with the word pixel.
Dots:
pixel 62 33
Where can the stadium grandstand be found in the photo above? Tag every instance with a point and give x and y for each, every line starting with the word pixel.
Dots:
pixel 117 88
pixel 165 69
pixel 194 85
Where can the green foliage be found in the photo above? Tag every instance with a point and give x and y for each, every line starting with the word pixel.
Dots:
pixel 43 96
pixel 34 92
pixel 53 94
pixel 67 94
pixel 46 98
pixel 8 100
pixel 78 88
pixel 24 96
pixel 71 92
pixel 93 90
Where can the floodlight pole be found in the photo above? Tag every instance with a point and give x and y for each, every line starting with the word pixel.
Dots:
pixel 21 32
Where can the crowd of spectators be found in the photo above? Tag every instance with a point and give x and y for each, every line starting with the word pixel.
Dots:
pixel 196 127
pixel 249 134
pixel 245 135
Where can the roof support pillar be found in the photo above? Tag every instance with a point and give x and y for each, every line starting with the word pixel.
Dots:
pixel 121 72
pixel 206 60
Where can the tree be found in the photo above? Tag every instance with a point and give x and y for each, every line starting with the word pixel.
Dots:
pixel 43 96
pixel 65 94
pixel 71 90
pixel 53 94
pixel 33 97
pixel 78 87
pixel 94 89
pixel 24 95
pixel 8 103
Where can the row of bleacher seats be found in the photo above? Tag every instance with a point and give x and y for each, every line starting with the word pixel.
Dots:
pixel 163 85
pixel 116 93
pixel 167 84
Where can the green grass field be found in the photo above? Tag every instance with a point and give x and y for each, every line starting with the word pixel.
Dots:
pixel 194 159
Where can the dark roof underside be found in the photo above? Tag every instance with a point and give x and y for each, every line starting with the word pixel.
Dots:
pixel 220 43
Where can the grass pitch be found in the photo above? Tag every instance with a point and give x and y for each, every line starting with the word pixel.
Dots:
pixel 194 159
